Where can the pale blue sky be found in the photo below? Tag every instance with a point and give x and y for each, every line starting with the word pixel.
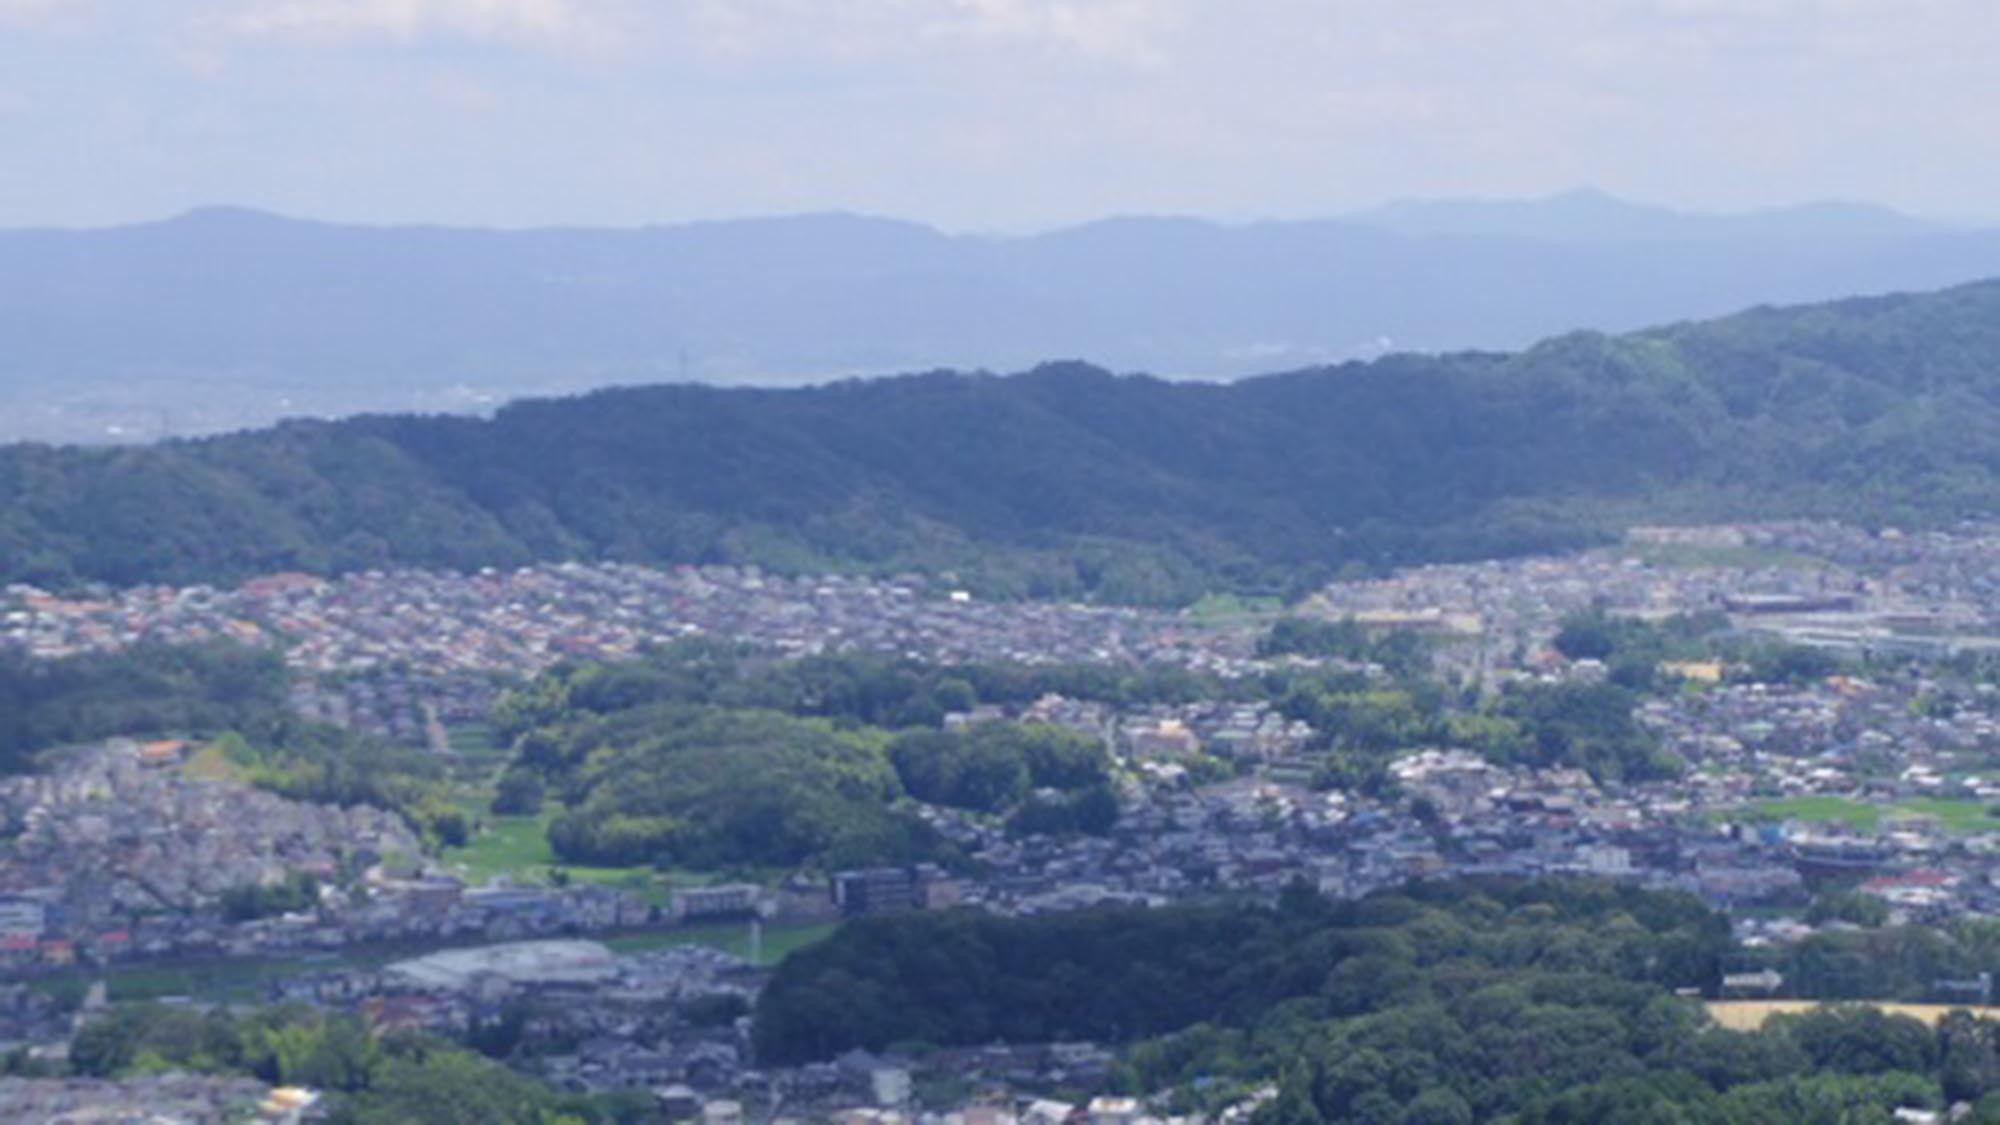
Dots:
pixel 983 114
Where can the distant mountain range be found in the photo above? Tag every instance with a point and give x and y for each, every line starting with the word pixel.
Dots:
pixel 1069 480
pixel 224 318
pixel 1592 216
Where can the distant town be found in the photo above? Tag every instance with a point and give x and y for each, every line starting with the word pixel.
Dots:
pixel 126 861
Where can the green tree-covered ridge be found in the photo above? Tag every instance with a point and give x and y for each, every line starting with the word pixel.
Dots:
pixel 1068 479
pixel 706 756
pixel 1497 1000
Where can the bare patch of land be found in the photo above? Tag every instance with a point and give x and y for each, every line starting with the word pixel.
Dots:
pixel 1749 1015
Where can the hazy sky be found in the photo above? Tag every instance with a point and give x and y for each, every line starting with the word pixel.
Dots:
pixel 983 114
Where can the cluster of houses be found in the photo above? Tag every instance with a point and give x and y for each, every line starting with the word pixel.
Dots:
pixel 405 707
pixel 517 622
pixel 117 851
pixel 398 652
pixel 79 883
pixel 1878 738
pixel 671 1024
pixel 589 1019
pixel 122 852
pixel 1825 584
pixel 1453 812
pixel 1160 736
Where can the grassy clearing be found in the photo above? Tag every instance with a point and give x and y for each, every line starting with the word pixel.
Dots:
pixel 1956 816
pixel 513 846
pixel 517 848
pixel 1233 609
pixel 1820 810
pixel 1959 817
pixel 1749 1015
pixel 731 938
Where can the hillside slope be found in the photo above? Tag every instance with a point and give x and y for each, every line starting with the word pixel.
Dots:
pixel 1067 479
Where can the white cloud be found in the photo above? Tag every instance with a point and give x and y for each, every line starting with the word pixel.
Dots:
pixel 462 93
pixel 1125 31
pixel 32 13
pixel 534 23
pixel 1012 113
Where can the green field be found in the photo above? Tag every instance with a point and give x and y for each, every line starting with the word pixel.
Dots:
pixel 1819 810
pixel 1956 816
pixel 1233 608
pixel 517 848
pixel 514 846
pixel 733 938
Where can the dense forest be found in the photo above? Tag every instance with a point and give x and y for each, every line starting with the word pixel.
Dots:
pixel 1068 480
pixel 708 755
pixel 706 787
pixel 1439 1004
pixel 1124 974
pixel 147 690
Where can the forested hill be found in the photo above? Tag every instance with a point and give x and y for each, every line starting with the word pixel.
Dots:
pixel 1068 479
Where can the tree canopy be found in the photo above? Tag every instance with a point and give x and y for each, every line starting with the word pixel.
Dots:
pixel 1545 1002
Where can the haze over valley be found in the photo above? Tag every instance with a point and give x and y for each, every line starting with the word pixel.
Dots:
pixel 224 318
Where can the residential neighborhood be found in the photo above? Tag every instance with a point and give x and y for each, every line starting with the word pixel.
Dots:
pixel 126 853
